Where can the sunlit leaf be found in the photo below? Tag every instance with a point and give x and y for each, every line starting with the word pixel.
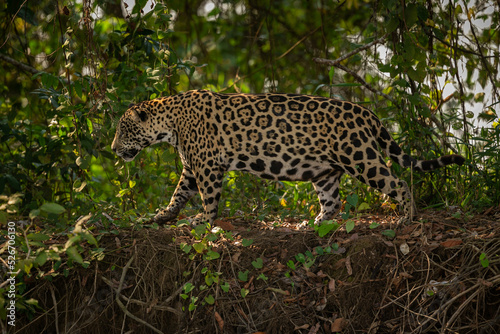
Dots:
pixel 52 208
pixel 74 255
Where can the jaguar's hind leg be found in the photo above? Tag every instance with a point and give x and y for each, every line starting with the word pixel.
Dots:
pixel 327 189
pixel 374 172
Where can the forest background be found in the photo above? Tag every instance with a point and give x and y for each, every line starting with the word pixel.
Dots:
pixel 69 69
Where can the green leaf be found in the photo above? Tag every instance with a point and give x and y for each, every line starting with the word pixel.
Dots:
pixel 37 237
pixel 331 72
pixel 262 277
pixel 258 263
pixel 52 208
pixel 49 80
pixel 246 242
pixel 363 206
pixel 325 228
pixel 89 237
pixel 74 255
pixel 82 163
pixel 300 258
pixel 78 88
pixel 41 258
pixel 186 248
pixel 212 255
pixel 33 213
pixel 210 299
pixel 411 14
pixel 319 250
pixel 349 226
pixel 225 287
pixel 393 24
pixel 243 275
pixel 214 12
pixel 389 233
pixel 244 292
pixel 199 230
pixel 139 5
pixel 484 260
pixel 27 15
pixel 353 200
pixel 199 247
pixel 164 34
pixel 32 301
pixel 387 68
pixel 188 287
pixel 347 84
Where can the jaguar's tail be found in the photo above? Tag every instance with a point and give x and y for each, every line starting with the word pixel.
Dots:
pixel 395 152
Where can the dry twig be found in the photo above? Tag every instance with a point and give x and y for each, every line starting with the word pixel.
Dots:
pixel 120 303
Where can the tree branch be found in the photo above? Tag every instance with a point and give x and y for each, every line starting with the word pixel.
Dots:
pixel 362 81
pixel 349 54
pixel 356 76
pixel 18 64
pixel 481 55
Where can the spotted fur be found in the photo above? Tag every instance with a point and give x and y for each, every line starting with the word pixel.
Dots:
pixel 275 136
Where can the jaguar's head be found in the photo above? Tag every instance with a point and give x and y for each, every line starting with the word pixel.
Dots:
pixel 133 133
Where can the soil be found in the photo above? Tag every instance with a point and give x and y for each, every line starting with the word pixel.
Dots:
pixel 276 277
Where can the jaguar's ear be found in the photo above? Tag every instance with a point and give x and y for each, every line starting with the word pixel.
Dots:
pixel 139 115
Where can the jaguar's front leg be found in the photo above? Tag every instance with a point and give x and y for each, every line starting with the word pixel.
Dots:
pixel 210 185
pixel 186 188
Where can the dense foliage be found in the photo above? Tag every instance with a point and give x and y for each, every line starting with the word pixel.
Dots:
pixel 70 69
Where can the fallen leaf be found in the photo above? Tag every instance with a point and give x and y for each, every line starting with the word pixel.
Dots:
pixel 321 304
pixel 240 311
pixel 224 224
pixel 310 274
pixel 388 243
pixel 348 265
pixel 430 247
pixel 404 248
pixel 118 243
pixel 305 326
pixel 236 257
pixel 409 229
pixel 282 292
pixel 314 329
pixel 451 243
pixel 331 285
pixel 320 274
pixel 405 275
pixel 338 325
pixel 219 320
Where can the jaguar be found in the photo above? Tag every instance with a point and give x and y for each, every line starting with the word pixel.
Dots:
pixel 275 136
